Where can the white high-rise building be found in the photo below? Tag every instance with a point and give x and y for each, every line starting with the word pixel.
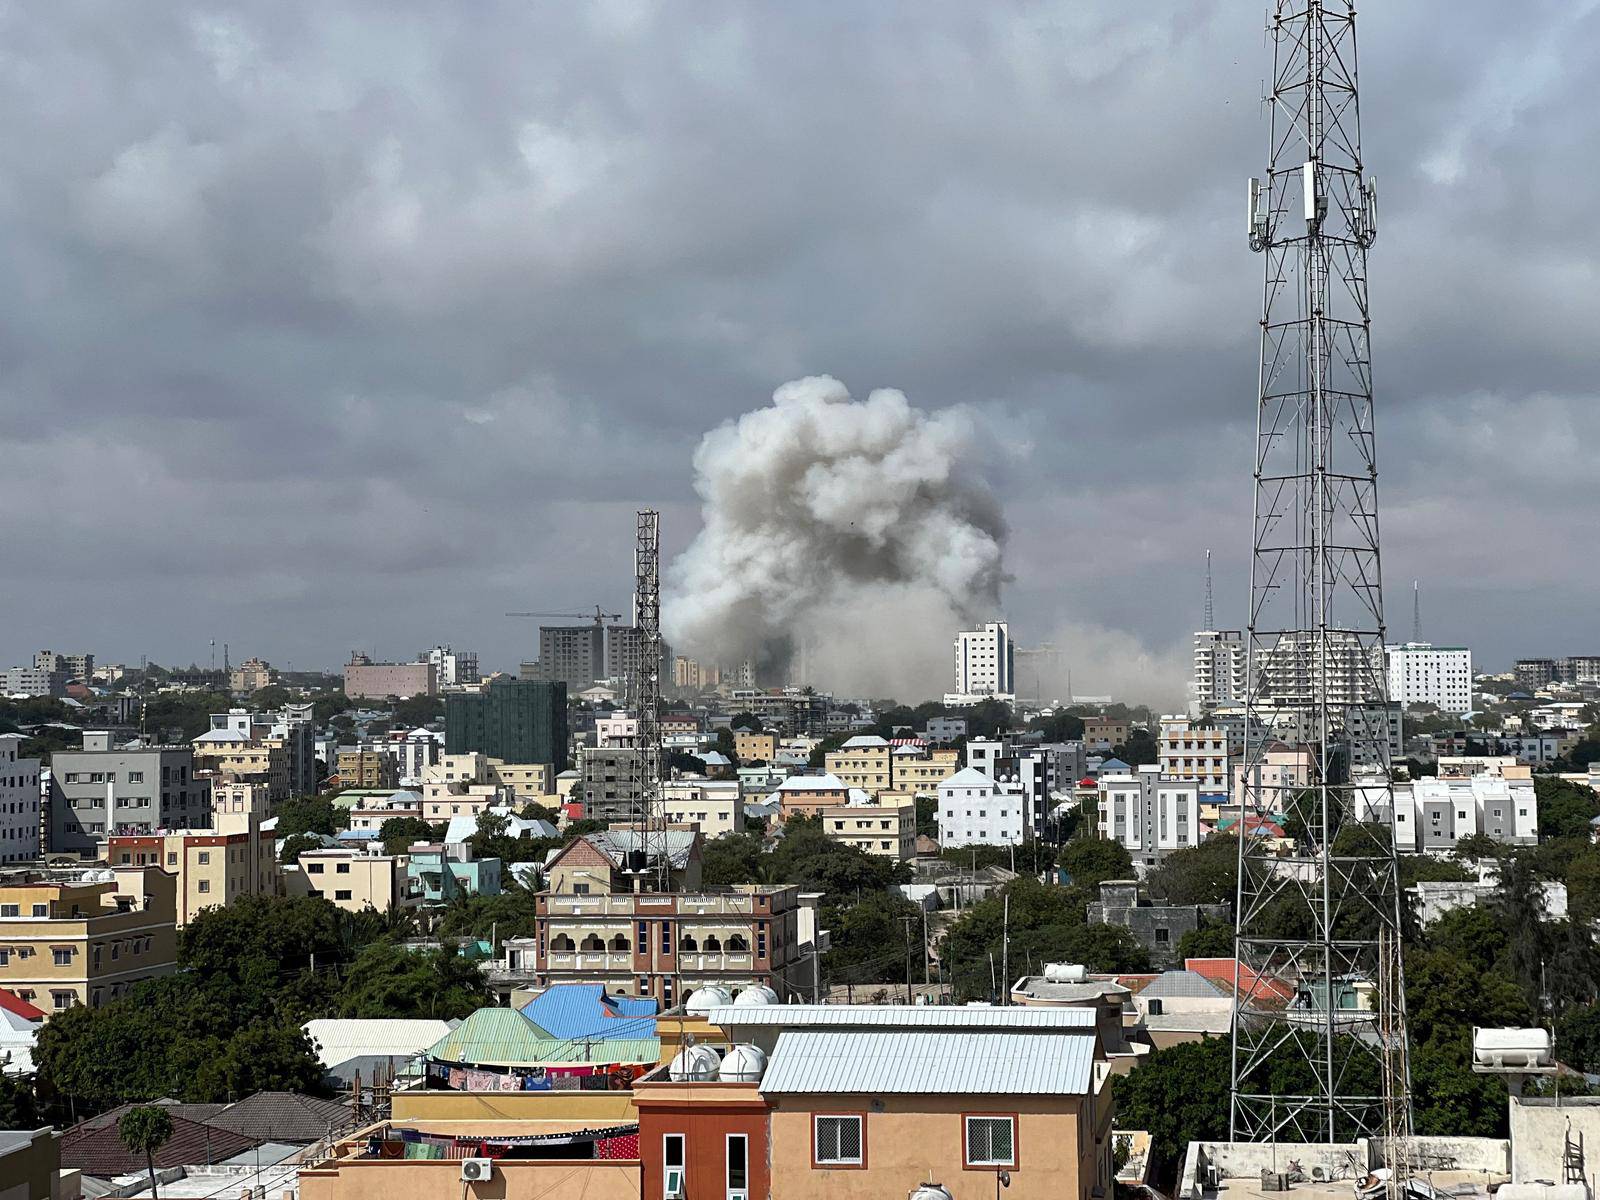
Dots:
pixel 1422 673
pixel 19 802
pixel 1219 663
pixel 985 662
pixel 974 810
pixel 454 668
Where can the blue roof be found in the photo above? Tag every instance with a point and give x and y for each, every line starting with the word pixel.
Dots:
pixel 574 1010
pixel 1112 766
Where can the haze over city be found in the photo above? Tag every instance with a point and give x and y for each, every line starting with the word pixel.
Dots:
pixel 333 328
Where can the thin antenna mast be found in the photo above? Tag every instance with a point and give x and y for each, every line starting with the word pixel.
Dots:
pixel 1416 612
pixel 1325 919
pixel 1211 620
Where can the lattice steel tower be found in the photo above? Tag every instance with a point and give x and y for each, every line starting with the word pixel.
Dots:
pixel 649 813
pixel 1319 1044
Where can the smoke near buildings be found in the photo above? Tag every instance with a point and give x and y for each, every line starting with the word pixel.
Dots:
pixel 857 535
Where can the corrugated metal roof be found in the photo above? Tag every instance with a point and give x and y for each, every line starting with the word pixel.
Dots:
pixel 570 1010
pixel 1182 983
pixel 491 1035
pixel 926 1061
pixel 906 1016
pixel 339 1039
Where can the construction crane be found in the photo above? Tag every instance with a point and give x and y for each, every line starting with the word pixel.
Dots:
pixel 598 616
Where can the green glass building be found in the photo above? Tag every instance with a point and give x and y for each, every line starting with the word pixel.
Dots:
pixel 515 720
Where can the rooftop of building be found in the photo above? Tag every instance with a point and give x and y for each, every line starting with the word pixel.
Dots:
pixel 902 1016
pixel 929 1061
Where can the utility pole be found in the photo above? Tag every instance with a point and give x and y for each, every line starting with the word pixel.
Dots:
pixel 907 921
pixel 1005 948
pixel 1316 632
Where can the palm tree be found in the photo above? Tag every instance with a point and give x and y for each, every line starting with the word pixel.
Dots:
pixel 144 1130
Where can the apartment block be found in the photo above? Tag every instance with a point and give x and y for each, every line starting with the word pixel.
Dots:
pixel 213 868
pixel 19 802
pixel 1149 814
pixel 251 675
pixel 1191 751
pixel 368 680
pixel 32 681
pixel 513 720
pixel 1218 679
pixel 985 662
pixel 713 806
pixel 571 655
pixel 1422 673
pixel 290 730
pixel 755 746
pixel 356 881
pixel 612 781
pixel 85 936
pixel 864 762
pixel 103 789
pixel 1430 815
pixel 881 830
pixel 452 668
pixel 359 768
pixel 976 810
pixel 666 945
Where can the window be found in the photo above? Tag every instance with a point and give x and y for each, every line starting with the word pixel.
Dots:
pixel 204 885
pixel 41 910
pixel 1162 935
pixel 341 894
pixel 314 868
pixel 341 869
pixel 62 956
pixel 62 1000
pixel 135 776
pixel 990 1141
pixel 204 857
pixel 837 1140
pixel 738 1166
pixel 9 910
pixel 671 1166
pixel 580 889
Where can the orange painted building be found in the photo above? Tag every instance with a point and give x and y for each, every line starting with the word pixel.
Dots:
pixel 713 1134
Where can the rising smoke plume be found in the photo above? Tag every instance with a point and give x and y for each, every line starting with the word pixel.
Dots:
pixel 844 542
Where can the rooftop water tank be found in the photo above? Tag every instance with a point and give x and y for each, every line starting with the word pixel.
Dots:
pixel 757 994
pixel 694 1063
pixel 703 1000
pixel 931 1191
pixel 1065 973
pixel 1510 1049
pixel 743 1064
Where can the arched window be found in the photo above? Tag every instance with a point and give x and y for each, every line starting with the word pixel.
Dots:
pixel 561 944
pixel 713 944
pixel 593 943
pixel 737 945
pixel 688 945
pixel 619 944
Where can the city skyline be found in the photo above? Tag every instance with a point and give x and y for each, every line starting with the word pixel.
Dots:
pixel 303 346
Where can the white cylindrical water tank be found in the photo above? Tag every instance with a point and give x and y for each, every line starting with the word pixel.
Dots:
pixel 755 995
pixel 693 1063
pixel 1509 1049
pixel 743 1064
pixel 704 999
pixel 1065 972
pixel 931 1191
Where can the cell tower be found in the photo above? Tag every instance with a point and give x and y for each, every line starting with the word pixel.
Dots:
pixel 1321 995
pixel 649 814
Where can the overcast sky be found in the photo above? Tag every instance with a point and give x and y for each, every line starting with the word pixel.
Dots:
pixel 343 325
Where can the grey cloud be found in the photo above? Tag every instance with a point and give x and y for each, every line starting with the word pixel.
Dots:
pixel 358 325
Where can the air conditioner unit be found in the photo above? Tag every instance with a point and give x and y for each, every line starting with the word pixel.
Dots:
pixel 475 1170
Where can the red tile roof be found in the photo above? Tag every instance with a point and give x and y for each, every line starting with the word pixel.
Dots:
pixel 1251 983
pixel 13 1003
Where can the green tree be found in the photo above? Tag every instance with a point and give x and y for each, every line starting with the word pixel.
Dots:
pixel 144 1130
pixel 734 859
pixel 747 721
pixel 297 844
pixel 1577 1040
pixel 1583 886
pixel 1090 861
pixel 417 711
pixel 872 940
pixel 397 833
pixel 1139 750
pixel 392 981
pixel 804 855
pixel 1565 808
pixel 311 814
pixel 1209 939
pixel 927 816
pixel 18 1107
pixel 269 698
pixel 512 913
pixel 1203 874
pixel 1179 1094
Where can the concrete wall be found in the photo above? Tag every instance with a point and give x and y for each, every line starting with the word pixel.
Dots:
pixel 401 1179
pixel 602 1107
pixel 915 1138
pixel 1538 1134
pixel 1243 1160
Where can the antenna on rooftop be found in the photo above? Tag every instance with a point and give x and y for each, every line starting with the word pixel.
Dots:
pixel 1211 620
pixel 1416 612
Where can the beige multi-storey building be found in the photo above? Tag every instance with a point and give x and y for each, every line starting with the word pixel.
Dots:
pixel 1105 732
pixel 233 755
pixel 882 830
pixel 808 795
pixel 864 762
pixel 462 783
pixel 237 804
pixel 667 944
pixel 1190 751
pixel 921 774
pixel 370 812
pixel 714 806
pixel 755 745
pixel 529 781
pixel 367 769
pixel 213 868
pixel 355 881
pixel 250 676
pixel 85 936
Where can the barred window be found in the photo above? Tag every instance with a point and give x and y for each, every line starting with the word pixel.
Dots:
pixel 991 1141
pixel 838 1141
